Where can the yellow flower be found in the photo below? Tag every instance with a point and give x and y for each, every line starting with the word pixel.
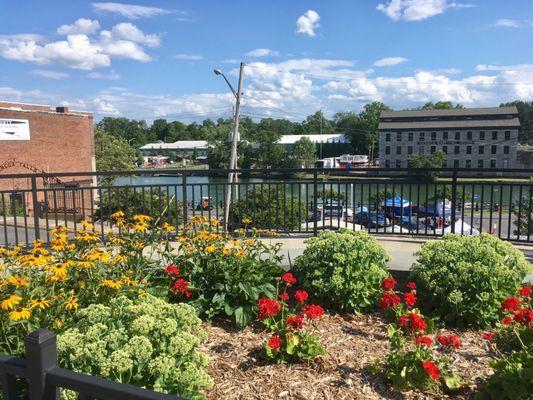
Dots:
pixel 227 250
pixel 40 303
pixel 241 253
pixel 140 227
pixel 87 225
pixel 118 214
pixel 120 258
pixel 112 283
pixel 56 278
pixel 128 281
pixel 250 242
pixel 116 240
pixel 72 303
pixel 57 247
pixel 17 315
pixel 210 249
pixel 59 271
pixel 18 281
pixel 182 239
pixel 85 264
pixel 246 221
pixel 167 227
pixel 142 292
pixel 58 323
pixel 142 218
pixel 139 244
pixel 11 302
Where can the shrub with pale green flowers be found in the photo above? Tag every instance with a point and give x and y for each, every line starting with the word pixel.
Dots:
pixel 146 342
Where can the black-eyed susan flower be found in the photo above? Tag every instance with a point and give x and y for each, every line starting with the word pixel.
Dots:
pixel 112 283
pixel 39 303
pixel 21 314
pixel 72 303
pixel 11 302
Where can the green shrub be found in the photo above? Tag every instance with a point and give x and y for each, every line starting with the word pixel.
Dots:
pixel 147 343
pixel 463 279
pixel 269 207
pixel 222 277
pixel 512 378
pixel 344 270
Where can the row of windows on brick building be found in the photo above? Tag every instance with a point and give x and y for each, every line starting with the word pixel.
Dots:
pixel 445 136
pixel 456 149
pixel 456 163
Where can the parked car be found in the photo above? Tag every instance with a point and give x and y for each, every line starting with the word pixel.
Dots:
pixel 413 224
pixel 371 219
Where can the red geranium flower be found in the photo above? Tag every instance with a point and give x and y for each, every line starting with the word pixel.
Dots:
pixel 172 270
pixel 409 299
pixel 288 278
pixel 274 342
pixel 488 336
pixel 425 340
pixel 388 283
pixel 403 321
pixel 431 369
pixel 507 320
pixel 449 340
pixel 181 286
pixel 296 322
pixel 411 285
pixel 416 323
pixel 268 308
pixel 284 296
pixel 524 316
pixel 525 291
pixel 511 304
pixel 301 296
pixel 313 311
pixel 389 300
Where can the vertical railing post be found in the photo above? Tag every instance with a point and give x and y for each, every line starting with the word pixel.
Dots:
pixel 315 205
pixel 36 210
pixel 454 201
pixel 41 357
pixel 184 183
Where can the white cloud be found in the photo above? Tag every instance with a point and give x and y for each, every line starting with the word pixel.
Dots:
pixel 49 74
pixel 111 75
pixel 128 31
pixel 507 23
pixel 130 11
pixel 263 53
pixel 389 61
pixel 307 24
pixel 81 51
pixel 417 10
pixel 188 57
pixel 81 26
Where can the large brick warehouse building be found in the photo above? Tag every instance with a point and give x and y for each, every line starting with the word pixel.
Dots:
pixel 36 138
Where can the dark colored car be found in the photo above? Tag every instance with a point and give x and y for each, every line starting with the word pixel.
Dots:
pixel 371 219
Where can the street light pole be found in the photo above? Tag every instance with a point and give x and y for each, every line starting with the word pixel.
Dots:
pixel 232 176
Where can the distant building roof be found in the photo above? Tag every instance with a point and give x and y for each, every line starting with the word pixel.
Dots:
pixel 450 112
pixel 323 138
pixel 455 118
pixel 179 145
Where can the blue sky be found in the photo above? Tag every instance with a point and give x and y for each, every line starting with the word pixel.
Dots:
pixel 154 59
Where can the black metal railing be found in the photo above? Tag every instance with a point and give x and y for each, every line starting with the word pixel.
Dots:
pixel 292 201
pixel 41 377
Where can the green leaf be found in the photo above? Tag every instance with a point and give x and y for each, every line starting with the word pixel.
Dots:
pixel 292 342
pixel 452 381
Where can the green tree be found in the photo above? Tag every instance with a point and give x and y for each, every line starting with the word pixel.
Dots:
pixel 355 128
pixel 525 114
pixel 370 121
pixel 304 153
pixel 112 153
pixel 135 132
pixel 317 123
pixel 270 154
pixel 423 161
pixel 441 105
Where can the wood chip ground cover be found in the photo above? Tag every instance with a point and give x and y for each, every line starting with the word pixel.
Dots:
pixel 353 344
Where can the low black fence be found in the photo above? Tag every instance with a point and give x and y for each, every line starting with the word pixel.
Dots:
pixel 38 376
pixel 303 201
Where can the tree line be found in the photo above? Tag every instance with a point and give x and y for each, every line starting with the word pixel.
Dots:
pixel 117 140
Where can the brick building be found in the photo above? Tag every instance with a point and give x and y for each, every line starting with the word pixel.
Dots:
pixel 36 138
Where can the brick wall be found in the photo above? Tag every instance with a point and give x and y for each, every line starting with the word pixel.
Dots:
pixel 59 142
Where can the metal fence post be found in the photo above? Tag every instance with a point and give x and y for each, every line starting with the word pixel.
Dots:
pixel 184 183
pixel 315 201
pixel 454 200
pixel 41 357
pixel 36 208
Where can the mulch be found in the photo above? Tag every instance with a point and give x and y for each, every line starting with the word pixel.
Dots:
pixel 353 344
